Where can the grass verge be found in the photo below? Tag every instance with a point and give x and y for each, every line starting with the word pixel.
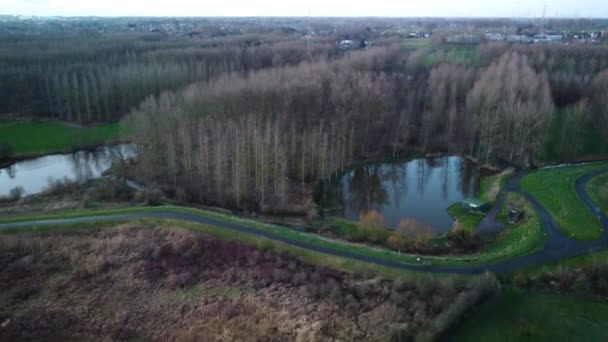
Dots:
pixel 491 186
pixel 522 238
pixel 465 220
pixel 554 188
pixel 515 315
pixel 308 256
pixel 384 254
pixel 597 188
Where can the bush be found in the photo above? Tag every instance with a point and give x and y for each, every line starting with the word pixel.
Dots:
pixel 63 186
pixel 398 242
pixel 372 228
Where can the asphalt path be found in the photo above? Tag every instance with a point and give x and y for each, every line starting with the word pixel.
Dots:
pixel 557 247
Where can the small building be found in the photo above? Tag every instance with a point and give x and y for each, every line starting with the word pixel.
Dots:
pixel 475 205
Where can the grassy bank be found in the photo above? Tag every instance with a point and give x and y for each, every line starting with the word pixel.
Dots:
pixel 597 189
pixel 527 316
pixel 554 188
pixel 41 137
pixel 522 238
pixel 466 220
pixel 312 257
pixel 583 262
pixel 483 257
pixel 490 186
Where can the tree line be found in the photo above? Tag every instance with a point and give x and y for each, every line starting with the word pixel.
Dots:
pixel 100 79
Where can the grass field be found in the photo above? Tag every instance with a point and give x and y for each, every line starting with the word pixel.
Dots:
pixel 526 316
pixel 522 238
pixel 554 188
pixel 587 261
pixel 40 137
pixel 418 43
pixel 467 221
pixel 597 189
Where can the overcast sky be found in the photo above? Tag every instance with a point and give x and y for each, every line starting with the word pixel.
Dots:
pixel 392 8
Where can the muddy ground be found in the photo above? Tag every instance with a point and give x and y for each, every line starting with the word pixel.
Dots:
pixel 152 283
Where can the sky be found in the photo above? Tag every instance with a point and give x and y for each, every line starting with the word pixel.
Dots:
pixel 383 8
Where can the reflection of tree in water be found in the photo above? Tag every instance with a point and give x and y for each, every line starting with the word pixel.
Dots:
pixel 445 178
pixel 396 174
pixel 468 175
pixel 421 175
pixel 11 171
pixel 366 190
pixel 87 165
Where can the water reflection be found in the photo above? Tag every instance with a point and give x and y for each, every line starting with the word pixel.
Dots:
pixel 35 175
pixel 420 190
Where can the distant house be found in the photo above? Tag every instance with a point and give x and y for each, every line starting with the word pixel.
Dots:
pixel 474 205
pixel 347 45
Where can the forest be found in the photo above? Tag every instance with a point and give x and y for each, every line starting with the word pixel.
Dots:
pixel 256 121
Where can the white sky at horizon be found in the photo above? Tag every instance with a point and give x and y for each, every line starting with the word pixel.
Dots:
pixel 382 8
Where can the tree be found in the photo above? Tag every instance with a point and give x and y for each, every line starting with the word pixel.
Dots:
pixel 510 106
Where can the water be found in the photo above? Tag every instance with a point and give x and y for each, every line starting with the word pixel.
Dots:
pixel 419 191
pixel 35 174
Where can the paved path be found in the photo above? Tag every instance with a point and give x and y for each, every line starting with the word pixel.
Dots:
pixel 558 245
pixel 489 224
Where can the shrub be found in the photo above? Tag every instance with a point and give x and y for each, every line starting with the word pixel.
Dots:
pixel 398 241
pixel 63 186
pixel 419 232
pixel 372 228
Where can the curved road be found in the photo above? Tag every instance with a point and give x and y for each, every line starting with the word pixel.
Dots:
pixel 558 245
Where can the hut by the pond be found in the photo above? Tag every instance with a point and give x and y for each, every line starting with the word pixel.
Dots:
pixel 475 205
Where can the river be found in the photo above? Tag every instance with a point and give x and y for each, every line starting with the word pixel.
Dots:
pixel 34 175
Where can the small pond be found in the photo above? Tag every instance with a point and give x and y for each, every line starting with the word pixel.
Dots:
pixel 35 175
pixel 418 191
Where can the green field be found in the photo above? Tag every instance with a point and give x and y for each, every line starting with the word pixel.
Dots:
pixel 526 316
pixel 554 188
pixel 522 238
pixel 40 137
pixel 417 43
pixel 597 189
pixel 587 261
pixel 467 221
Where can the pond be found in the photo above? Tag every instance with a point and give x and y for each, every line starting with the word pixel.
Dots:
pixel 417 192
pixel 35 175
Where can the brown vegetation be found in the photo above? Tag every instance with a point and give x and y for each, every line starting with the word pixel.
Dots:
pixel 169 284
